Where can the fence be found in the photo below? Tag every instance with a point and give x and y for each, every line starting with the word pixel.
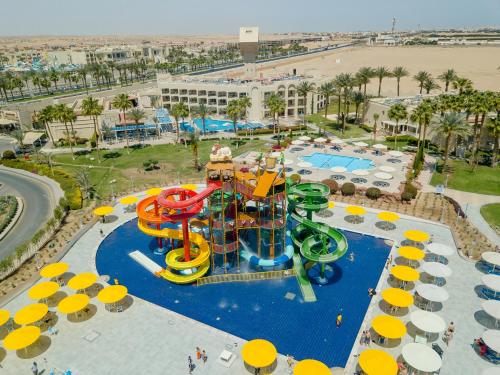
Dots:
pixel 234 277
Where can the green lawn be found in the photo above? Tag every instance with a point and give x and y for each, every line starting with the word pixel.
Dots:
pixel 175 162
pixel 491 213
pixel 351 131
pixel 484 180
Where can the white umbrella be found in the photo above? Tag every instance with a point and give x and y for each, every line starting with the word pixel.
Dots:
pixel 338 169
pixel 360 172
pixel 360 144
pixel 427 321
pixel 491 257
pixel 421 357
pixel 288 162
pixel 387 168
pixel 304 138
pixel 304 164
pixel 492 282
pixel 491 371
pixel 492 308
pixel 338 141
pixel 297 142
pixel 379 146
pixel 396 154
pixel 383 175
pixel 492 339
pixel 432 292
pixel 437 269
pixel 320 140
pixel 440 249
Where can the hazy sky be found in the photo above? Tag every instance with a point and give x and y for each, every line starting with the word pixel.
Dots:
pixel 70 17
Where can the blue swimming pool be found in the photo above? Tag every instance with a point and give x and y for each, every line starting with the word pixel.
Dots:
pixel 327 161
pixel 213 125
pixel 259 309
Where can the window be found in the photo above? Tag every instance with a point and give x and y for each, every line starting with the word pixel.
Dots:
pixel 165 91
pixel 291 102
pixel 212 93
pixel 212 101
pixel 243 94
pixel 202 101
pixel 193 100
pixel 222 101
pixel 291 93
pixel 184 99
pixel 232 94
pixel 221 94
pixel 184 92
pixel 202 92
pixel 291 112
pixel 192 92
pixel 174 91
pixel 166 98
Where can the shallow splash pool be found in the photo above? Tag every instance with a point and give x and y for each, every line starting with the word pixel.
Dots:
pixel 272 309
pixel 327 161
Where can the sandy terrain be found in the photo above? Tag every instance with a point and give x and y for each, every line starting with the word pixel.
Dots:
pixel 476 63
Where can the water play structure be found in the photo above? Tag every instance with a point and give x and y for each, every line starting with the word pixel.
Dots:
pixel 245 226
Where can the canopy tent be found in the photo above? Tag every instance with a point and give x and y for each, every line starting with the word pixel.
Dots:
pixel 30 138
pixel 416 235
pixel 377 362
pixel 360 172
pixel 128 200
pixel 21 338
pixel 259 353
pixel 383 176
pixel 311 366
pixel 427 321
pixel 54 270
pixel 397 297
pixel 31 313
pixel 432 292
pixel 82 281
pixel 491 338
pixel 103 210
pixel 387 168
pixel 338 169
pixel 43 290
pixel 421 357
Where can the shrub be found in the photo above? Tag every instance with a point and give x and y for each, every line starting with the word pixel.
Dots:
pixel 93 141
pixel 348 188
pixel 295 178
pixel 112 155
pixel 81 141
pixel 9 155
pixel 366 128
pixel 410 189
pixel 332 184
pixel 373 193
pixel 406 197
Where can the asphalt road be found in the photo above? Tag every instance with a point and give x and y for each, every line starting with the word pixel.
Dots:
pixel 38 206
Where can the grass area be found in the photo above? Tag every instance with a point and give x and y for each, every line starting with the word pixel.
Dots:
pixel 484 180
pixel 491 213
pixel 8 208
pixel 174 162
pixel 351 131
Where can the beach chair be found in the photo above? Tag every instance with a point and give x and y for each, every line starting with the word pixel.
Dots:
pixel 438 349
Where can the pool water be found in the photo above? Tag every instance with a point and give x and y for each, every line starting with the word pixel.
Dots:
pixel 213 125
pixel 327 161
pixel 259 309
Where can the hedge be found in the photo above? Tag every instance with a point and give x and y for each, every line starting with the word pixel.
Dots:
pixel 9 202
pixel 348 188
pixel 373 193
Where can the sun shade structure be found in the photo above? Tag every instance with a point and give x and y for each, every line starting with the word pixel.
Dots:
pixel 360 144
pixel 304 138
pixel 389 326
pixel 437 269
pixel 411 253
pixel 383 176
pixel 103 210
pixel 355 210
pixel 491 257
pixel 154 191
pixel 311 366
pixel 112 294
pixel 432 292
pixel 320 140
pixel 43 290
pixel 491 338
pixel 379 146
pixel 360 172
pixel 31 313
pixel 129 200
pixel 387 168
pixel 397 297
pixel 396 154
pixel 405 273
pixel 21 338
pixel 54 270
pixel 74 303
pixel 82 281
pixel 331 204
pixel 4 317
pixel 377 362
pixel 388 216
pixel 338 169
pixel 440 249
pixel 492 308
pixel 259 353
pixel 421 357
pixel 416 235
pixel 297 142
pixel 427 321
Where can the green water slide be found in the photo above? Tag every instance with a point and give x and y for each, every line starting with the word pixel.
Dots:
pixel 312 239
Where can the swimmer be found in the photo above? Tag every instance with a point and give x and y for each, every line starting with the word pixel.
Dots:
pixel 351 257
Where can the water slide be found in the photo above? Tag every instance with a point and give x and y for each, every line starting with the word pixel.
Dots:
pixel 182 267
pixel 264 183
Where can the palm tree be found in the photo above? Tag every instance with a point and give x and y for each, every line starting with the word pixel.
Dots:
pixel 422 114
pixel 179 111
pixel 326 89
pixel 276 106
pixel 46 116
pixel 303 89
pixel 202 112
pixel 245 103
pixel 194 141
pixel 421 77
pixel 234 113
pixel 66 115
pixel 479 104
pixel 399 72
pixel 381 72
pixel 363 77
pixel 357 98
pixel 92 108
pixel 430 84
pixel 462 85
pixel 447 77
pixel 344 81
pixel 137 115
pixel 122 102
pixel 449 125
pixel 494 128
pixel 397 112
pixel 376 116
pixel 54 77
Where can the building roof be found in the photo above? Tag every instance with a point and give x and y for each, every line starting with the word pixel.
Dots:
pixel 249 34
pixel 6 121
pixel 32 137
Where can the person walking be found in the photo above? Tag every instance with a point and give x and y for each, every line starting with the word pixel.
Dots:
pixel 204 356
pixel 198 353
pixel 34 368
pixel 190 364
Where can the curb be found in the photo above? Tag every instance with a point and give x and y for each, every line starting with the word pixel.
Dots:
pixel 15 219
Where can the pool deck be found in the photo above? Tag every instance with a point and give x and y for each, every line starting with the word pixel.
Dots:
pixel 155 340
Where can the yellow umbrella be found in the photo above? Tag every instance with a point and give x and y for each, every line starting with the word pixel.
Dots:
pixel 54 270
pixel 355 210
pixel 82 281
pixel 311 366
pixel 259 353
pixel 331 204
pixel 74 303
pixel 154 191
pixel 388 216
pixel 21 338
pixel 189 186
pixel 416 235
pixel 129 200
pixel 377 362
pixel 4 317
pixel 397 297
pixel 411 253
pixel 389 326
pixel 112 294
pixel 405 273
pixel 43 290
pixel 103 210
pixel 31 313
